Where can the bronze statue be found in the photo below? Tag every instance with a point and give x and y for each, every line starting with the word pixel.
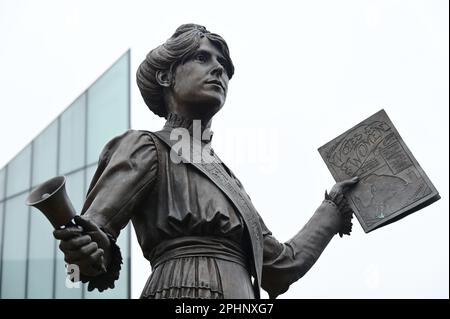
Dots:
pixel 193 219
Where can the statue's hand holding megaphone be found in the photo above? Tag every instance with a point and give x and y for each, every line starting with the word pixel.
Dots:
pixel 82 243
pixel 86 246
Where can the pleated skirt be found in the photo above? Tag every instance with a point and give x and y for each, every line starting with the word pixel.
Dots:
pixel 199 277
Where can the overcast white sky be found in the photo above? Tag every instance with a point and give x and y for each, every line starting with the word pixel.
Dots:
pixel 306 71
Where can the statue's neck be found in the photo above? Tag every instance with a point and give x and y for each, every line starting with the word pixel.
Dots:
pixel 194 126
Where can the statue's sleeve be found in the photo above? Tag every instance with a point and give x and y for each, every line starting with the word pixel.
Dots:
pixel 127 169
pixel 285 263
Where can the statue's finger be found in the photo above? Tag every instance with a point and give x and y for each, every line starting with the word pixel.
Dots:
pixel 86 224
pixel 75 243
pixel 96 258
pixel 349 182
pixel 87 250
pixel 66 233
pixel 91 264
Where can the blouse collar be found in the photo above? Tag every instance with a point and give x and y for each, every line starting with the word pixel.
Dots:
pixel 177 121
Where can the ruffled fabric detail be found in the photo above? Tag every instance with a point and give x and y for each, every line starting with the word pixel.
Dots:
pixel 187 277
pixel 177 121
pixel 346 212
pixel 106 280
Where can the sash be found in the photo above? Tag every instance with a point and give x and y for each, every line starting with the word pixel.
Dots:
pixel 215 171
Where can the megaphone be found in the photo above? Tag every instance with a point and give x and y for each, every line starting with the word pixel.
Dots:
pixel 51 199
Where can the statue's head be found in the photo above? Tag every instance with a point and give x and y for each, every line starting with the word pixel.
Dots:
pixel 192 68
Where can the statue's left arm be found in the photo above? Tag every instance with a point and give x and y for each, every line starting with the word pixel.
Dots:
pixel 285 263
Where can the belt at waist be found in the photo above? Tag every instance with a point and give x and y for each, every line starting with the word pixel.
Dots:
pixel 198 246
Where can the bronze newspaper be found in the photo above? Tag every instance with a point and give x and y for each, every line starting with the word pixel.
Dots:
pixel 392 183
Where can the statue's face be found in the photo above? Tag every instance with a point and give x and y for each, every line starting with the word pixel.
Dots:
pixel 201 83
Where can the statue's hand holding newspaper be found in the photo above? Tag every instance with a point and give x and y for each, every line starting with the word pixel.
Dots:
pixel 337 196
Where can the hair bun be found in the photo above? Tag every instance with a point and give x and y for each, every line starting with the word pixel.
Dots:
pixel 189 27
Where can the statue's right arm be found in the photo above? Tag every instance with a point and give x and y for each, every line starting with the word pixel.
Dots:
pixel 126 171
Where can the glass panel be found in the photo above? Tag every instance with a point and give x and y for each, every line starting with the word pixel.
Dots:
pixel 15 248
pixel 72 138
pixel 90 171
pixel 121 286
pixel 19 172
pixel 40 258
pixel 1 236
pixel 2 183
pixel 75 190
pixel 107 107
pixel 44 154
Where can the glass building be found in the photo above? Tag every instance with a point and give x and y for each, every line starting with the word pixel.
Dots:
pixel 31 265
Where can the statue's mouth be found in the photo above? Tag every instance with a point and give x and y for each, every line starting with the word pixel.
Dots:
pixel 216 82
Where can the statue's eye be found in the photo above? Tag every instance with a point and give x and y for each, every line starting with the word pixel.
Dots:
pixel 201 57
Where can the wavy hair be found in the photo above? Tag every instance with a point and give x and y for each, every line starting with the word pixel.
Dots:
pixel 180 46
